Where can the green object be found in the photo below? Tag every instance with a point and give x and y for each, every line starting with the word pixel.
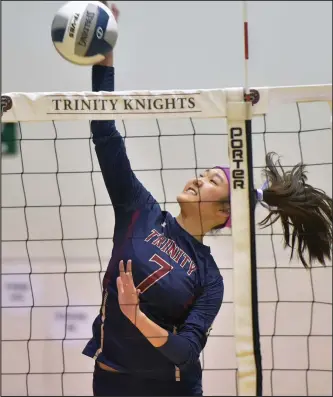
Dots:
pixel 9 142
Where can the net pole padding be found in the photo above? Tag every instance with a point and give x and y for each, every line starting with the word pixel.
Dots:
pixel 209 103
pixel 248 366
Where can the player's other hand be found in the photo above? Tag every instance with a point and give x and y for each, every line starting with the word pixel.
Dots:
pixel 128 295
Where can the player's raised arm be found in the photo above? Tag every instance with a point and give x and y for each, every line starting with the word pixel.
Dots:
pixel 123 187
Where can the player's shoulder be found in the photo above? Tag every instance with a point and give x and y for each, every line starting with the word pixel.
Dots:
pixel 213 278
pixel 210 263
pixel 214 271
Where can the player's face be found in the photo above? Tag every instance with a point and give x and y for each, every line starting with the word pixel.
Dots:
pixel 209 190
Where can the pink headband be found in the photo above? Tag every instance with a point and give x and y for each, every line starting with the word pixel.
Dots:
pixel 259 194
pixel 226 170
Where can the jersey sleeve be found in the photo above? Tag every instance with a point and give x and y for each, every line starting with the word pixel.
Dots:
pixel 124 189
pixel 184 348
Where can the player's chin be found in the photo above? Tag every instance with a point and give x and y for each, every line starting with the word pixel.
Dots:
pixel 187 198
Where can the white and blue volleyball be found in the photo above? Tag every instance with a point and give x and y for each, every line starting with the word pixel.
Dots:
pixel 83 32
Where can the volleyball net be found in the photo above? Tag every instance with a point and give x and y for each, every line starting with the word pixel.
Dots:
pixel 273 335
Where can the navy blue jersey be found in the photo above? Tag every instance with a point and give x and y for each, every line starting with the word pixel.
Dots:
pixel 181 286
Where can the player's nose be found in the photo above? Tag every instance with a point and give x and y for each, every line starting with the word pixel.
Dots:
pixel 198 182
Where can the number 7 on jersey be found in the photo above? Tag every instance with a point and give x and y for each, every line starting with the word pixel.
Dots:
pixel 163 270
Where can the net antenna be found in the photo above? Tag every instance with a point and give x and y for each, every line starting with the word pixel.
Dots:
pixel 246 320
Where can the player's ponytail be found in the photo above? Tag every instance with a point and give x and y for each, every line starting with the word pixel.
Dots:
pixel 304 211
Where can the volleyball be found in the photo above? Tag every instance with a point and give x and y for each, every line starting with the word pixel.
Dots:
pixel 83 32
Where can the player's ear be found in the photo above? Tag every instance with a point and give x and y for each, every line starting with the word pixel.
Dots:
pixel 225 208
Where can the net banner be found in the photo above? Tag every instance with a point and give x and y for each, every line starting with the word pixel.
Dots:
pixel 117 105
pixel 209 103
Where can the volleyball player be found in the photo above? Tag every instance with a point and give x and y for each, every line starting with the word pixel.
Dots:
pixel 162 289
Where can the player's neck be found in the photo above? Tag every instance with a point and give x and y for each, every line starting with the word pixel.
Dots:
pixel 192 225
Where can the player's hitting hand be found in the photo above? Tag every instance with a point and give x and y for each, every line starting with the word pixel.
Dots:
pixel 127 293
pixel 108 60
pixel 113 8
pixel 115 11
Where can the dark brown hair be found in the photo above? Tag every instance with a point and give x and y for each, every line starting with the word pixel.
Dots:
pixel 305 212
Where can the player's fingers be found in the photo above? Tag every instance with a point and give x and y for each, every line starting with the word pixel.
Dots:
pixel 129 266
pixel 120 286
pixel 129 275
pixel 115 11
pixel 121 267
pixel 122 273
